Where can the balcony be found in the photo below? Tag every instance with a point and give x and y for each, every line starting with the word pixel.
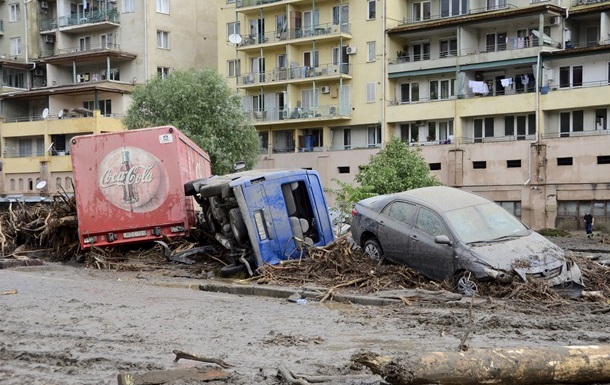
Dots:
pixel 295 75
pixel 83 22
pixel 442 16
pixel 318 33
pixel 281 115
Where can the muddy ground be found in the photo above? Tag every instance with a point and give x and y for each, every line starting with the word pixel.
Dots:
pixel 66 324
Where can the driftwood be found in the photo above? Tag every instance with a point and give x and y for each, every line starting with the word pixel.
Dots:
pixel 188 356
pixel 157 377
pixel 519 366
pixel 302 379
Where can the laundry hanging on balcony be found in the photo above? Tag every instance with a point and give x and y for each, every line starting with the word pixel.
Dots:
pixel 478 87
pixel 506 82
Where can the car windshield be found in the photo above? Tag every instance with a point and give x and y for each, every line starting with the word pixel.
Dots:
pixel 487 222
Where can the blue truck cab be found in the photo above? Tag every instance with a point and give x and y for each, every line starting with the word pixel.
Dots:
pixel 263 216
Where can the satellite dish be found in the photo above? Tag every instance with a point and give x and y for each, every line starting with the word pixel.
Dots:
pixel 45 113
pixel 235 38
pixel 42 184
pixel 60 114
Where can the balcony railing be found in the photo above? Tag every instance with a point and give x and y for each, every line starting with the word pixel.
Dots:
pixel 110 15
pixel 319 112
pixel 89 48
pixel 574 134
pixel 317 31
pixel 251 3
pixel 470 11
pixel 493 139
pixel 293 73
pixel 586 2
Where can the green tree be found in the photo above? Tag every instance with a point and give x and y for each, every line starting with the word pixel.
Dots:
pixel 201 105
pixel 398 167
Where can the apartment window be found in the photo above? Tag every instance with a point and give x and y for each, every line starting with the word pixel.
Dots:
pixel 495 42
pixel 233 68
pixel 12 184
pixel 567 161
pixel 163 6
pixel 343 169
pixel 163 39
pixel 603 159
pixel 13 77
pixel 230 1
pixel 421 51
pixel 233 28
pixel 25 148
pixel 372 10
pixel 264 136
pixel 104 106
pixel 409 92
pixel 445 131
pixel 570 76
pixel 347 138
pixel 281 26
pixel 311 59
pixel 421 11
pixel 483 128
pixel 479 164
pixel 107 41
pixel 374 136
pixel 15 46
pixel 448 47
pixel 310 98
pixel 15 12
pixel 453 7
pixel 84 43
pixel 572 121
pixel 434 166
pixel 513 163
pixel 129 6
pixel 370 51
pixel 442 90
pixel 592 36
pixel 20 184
pixel 498 4
pixel 163 72
pixel 341 15
pixel 601 116
pixel 371 90
pixel 512 207
pixel 520 126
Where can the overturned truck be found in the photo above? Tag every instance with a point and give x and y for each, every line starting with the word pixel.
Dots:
pixel 263 216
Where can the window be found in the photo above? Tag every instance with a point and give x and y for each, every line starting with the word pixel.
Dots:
pixel 409 92
pixel 84 43
pixel 564 161
pixel 421 11
pixel 343 169
pixel 442 90
pixel 13 77
pixel 409 133
pixel 429 222
pixel 104 106
pixel 129 6
pixel 310 98
pixel 40 148
pixel 107 41
pixel 370 49
pixel 281 27
pixel 401 211
pixel 347 138
pixel 421 51
pixel 233 29
pixel 163 72
pixel 453 7
pixel 371 88
pixel 163 6
pixel 603 159
pixel 374 136
pixel 570 76
pixel 25 148
pixel 448 47
pixel 512 207
pixel 15 46
pixel 513 163
pixel 434 166
pixel 525 125
pixel 163 39
pixel 445 132
pixel 233 68
pixel 15 12
pixel 372 10
pixel 264 136
pixel 310 59
pixel 483 128
pixel 341 17
pixel 570 122
pixel 496 42
pixel 478 164
pixel 498 4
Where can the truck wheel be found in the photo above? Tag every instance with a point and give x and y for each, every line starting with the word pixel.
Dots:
pixel 240 232
pixel 231 270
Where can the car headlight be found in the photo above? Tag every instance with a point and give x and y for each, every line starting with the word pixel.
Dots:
pixel 499 275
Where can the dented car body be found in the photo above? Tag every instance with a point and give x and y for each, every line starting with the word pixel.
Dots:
pixel 443 231
pixel 263 216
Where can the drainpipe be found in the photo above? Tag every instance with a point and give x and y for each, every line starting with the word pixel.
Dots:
pixel 537 104
pixel 145 40
pixel 384 76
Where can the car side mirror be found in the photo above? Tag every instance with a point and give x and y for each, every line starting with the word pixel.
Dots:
pixel 442 239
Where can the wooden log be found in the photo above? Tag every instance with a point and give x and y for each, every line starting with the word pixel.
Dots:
pixel 157 377
pixel 518 366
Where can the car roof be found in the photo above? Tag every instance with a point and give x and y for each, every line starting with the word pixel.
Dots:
pixel 442 197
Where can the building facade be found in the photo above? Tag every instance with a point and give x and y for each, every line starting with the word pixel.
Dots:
pixel 509 100
pixel 68 68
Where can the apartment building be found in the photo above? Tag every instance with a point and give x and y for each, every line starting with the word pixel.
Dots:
pixel 69 67
pixel 509 100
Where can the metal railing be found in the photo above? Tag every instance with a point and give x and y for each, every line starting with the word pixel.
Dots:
pixel 462 13
pixel 89 48
pixel 293 73
pixel 575 134
pixel 294 33
pixel 109 15
pixel 318 112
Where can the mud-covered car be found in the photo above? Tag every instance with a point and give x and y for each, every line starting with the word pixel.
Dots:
pixel 445 232
pixel 263 216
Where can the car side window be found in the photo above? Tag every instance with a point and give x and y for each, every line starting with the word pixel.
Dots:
pixel 429 222
pixel 401 211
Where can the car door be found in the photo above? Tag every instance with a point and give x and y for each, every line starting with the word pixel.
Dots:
pixel 395 221
pixel 432 259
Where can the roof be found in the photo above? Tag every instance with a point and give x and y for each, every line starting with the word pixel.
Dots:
pixel 443 197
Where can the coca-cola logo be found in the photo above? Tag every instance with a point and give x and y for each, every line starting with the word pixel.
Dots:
pixel 132 179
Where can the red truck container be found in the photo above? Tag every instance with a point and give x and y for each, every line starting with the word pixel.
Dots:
pixel 129 185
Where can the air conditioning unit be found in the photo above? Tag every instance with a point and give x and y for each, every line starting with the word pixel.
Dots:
pixel 44 5
pixel 350 50
pixel 325 89
pixel 555 20
pixel 49 39
pixel 38 72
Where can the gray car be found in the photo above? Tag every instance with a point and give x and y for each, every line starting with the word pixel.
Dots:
pixel 443 232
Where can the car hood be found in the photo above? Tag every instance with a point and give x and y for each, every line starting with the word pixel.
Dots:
pixel 532 254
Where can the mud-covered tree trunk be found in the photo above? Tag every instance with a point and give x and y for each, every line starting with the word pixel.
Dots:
pixel 551 365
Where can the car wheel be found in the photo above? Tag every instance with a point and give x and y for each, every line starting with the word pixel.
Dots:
pixel 373 249
pixel 466 286
pixel 237 225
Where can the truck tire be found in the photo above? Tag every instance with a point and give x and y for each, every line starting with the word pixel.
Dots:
pixel 231 270
pixel 240 232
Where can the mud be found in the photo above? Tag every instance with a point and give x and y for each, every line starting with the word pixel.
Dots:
pixel 71 325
